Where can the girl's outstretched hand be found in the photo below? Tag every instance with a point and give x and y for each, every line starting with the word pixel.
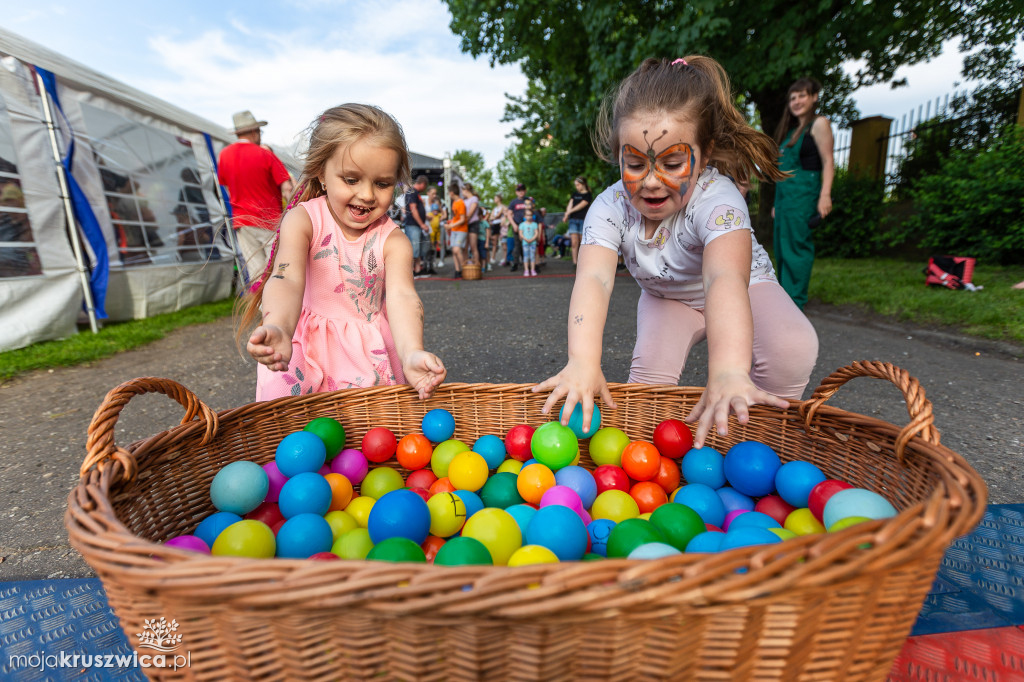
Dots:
pixel 577 383
pixel 424 372
pixel 724 394
pixel 269 345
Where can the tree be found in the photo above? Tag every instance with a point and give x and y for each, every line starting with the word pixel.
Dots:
pixel 475 172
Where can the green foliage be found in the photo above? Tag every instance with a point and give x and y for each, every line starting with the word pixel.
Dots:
pixel 854 228
pixel 474 171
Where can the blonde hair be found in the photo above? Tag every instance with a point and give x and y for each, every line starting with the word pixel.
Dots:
pixel 339 126
pixel 695 88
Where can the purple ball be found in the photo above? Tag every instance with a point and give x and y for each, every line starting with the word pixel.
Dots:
pixel 190 543
pixel 585 516
pixel 563 496
pixel 733 499
pixel 731 516
pixel 277 480
pixel 351 464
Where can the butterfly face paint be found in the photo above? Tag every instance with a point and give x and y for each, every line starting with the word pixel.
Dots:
pixel 671 166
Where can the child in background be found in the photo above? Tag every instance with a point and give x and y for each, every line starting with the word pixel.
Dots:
pixel 339 309
pixel 528 232
pixel 434 220
pixel 682 226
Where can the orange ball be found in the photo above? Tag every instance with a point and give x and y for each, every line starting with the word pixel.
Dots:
pixel 341 491
pixel 441 485
pixel 668 474
pixel 533 482
pixel 648 496
pixel 641 460
pixel 430 547
pixel 414 451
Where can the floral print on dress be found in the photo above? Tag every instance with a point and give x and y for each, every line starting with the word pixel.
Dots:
pixel 364 287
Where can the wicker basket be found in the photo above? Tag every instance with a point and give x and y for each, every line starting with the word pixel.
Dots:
pixel 828 607
pixel 471 271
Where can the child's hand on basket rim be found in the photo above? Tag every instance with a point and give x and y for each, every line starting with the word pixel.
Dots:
pixel 424 371
pixel 269 345
pixel 728 392
pixel 578 382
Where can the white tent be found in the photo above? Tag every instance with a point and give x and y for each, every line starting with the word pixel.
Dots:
pixel 134 178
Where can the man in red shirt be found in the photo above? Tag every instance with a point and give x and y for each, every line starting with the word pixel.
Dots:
pixel 256 181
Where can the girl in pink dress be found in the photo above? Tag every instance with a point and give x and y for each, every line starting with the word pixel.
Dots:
pixel 338 305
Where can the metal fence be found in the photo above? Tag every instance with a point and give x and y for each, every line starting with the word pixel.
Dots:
pixel 907 128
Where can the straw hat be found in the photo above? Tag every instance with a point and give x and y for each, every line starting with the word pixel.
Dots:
pixel 246 122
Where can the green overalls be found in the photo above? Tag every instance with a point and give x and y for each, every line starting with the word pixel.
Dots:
pixel 796 200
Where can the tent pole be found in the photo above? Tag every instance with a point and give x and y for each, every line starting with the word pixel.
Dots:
pixel 65 193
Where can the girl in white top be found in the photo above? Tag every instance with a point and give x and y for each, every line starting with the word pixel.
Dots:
pixel 682 227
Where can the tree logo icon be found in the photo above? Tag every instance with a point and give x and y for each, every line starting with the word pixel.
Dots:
pixel 159 635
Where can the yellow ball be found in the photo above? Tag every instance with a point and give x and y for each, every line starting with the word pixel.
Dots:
pixel 843 524
pixel 606 446
pixel 380 481
pixel 447 514
pixel 497 530
pixel 340 522
pixel 646 516
pixel 443 455
pixel 615 505
pixel 802 522
pixel 512 466
pixel 359 509
pixel 783 533
pixel 532 554
pixel 353 544
pixel 248 538
pixel 468 471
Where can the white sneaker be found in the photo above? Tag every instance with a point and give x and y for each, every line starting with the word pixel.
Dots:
pixel 440 262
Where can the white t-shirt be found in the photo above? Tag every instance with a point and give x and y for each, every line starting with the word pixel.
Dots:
pixel 669 265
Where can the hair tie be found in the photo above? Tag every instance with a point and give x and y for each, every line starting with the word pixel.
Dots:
pixel 680 61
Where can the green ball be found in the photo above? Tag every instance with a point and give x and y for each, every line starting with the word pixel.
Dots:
pixel 678 524
pixel 463 551
pixel 606 446
pixel 397 549
pixel 590 556
pixel 444 453
pixel 555 446
pixel 353 544
pixel 500 491
pixel 629 534
pixel 248 538
pixel 331 432
pixel 381 481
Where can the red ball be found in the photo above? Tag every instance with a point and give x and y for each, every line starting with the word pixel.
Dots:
pixel 277 526
pixel 324 556
pixel 422 492
pixel 611 477
pixel 379 444
pixel 713 528
pixel 668 475
pixel 268 513
pixel 821 493
pixel 673 438
pixel 421 478
pixel 517 442
pixel 775 507
pixel 430 547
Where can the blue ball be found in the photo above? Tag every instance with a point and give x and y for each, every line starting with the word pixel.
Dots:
pixel 528 463
pixel 576 420
pixel 600 530
pixel 210 527
pixel 856 502
pixel 300 452
pixel 305 493
pixel 708 541
pixel 733 499
pixel 239 487
pixel 438 425
pixel 471 500
pixel 580 481
pixel 747 537
pixel 754 519
pixel 304 535
pixel 653 550
pixel 492 449
pixel 795 480
pixel 703 500
pixel 522 513
pixel 399 514
pixel 560 529
pixel 704 465
pixel 750 467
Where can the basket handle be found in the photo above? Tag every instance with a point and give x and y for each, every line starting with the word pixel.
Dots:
pixel 922 421
pixel 100 440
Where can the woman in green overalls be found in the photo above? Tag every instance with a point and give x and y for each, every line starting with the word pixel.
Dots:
pixel 801 201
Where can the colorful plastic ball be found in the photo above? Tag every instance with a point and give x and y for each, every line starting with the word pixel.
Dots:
pixel 517 442
pixel 522 513
pixel 438 425
pixel 748 537
pixel 750 468
pixel 189 543
pixel 527 555
pixel 512 466
pixel 704 465
pixel 351 464
pixel 471 500
pixel 856 502
pixel 245 538
pixel 775 507
pixel 443 455
pixel 212 526
pixel 302 536
pixel 576 421
pixel 822 493
pixel 733 499
pixel 668 475
pixel 673 438
pixel 802 522
pixel 599 531
pixel 414 451
pixel 441 485
pixel 616 505
pixel 323 556
pixel 492 449
pixel 341 491
pixel 381 481
pixel 630 534
pixel 353 544
pixel 430 547
pixel 555 446
pixel 340 522
pixel 677 523
pixel 422 492
pixel 606 446
pixel 276 480
pixel 447 514
pixel 497 530
pixel 501 491
pixel 784 533
pixel 795 480
pixel 359 509
pixel 563 496
pixel 707 542
pixel 561 530
pixel 268 512
pixel 379 444
pixel 533 481
pixel 331 432
pixel 731 516
pixel 580 481
pixel 641 460
pixel 397 549
pixel 464 551
pixel 468 471
pixel 648 495
pixel 300 452
pixel 421 478
pixel 591 556
pixel 239 487
pixel 843 524
pixel 528 463
pixel 753 519
pixel 653 550
pixel 703 500
pixel 307 492
pixel 611 477
pixel 399 513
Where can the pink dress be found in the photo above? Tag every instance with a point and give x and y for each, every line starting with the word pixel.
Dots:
pixel 343 339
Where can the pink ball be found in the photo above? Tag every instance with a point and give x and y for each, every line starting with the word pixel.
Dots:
pixel 732 515
pixel 277 479
pixel 562 495
pixel 351 464
pixel 324 470
pixel 190 543
pixel 585 516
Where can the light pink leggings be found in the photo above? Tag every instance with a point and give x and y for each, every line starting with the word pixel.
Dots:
pixel 785 343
